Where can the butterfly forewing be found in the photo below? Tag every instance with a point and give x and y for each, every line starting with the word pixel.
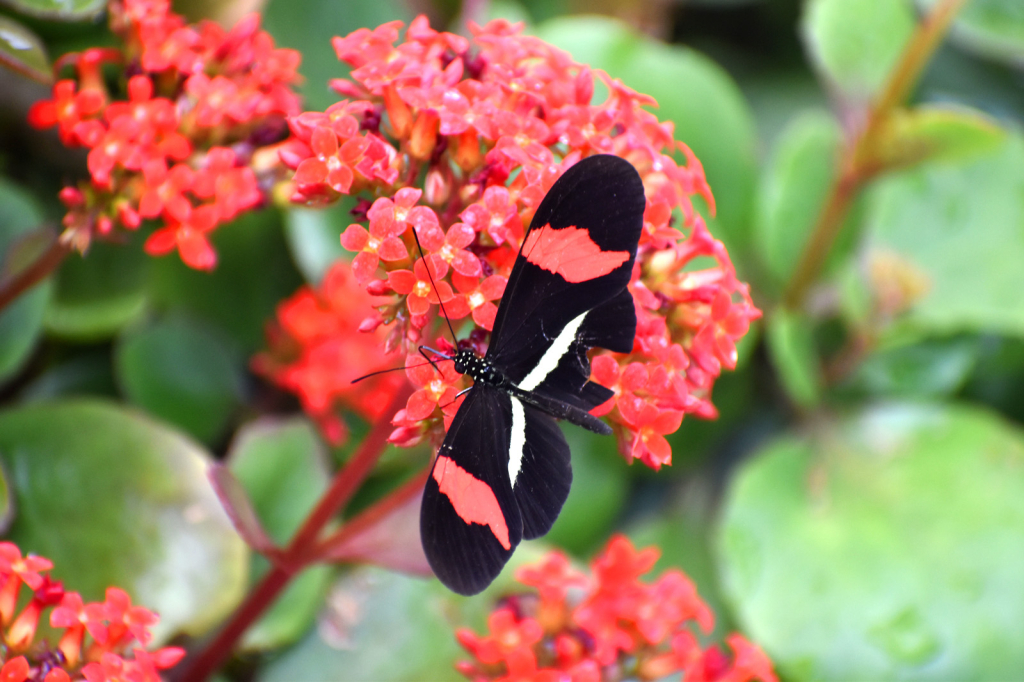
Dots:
pixel 469 519
pixel 577 255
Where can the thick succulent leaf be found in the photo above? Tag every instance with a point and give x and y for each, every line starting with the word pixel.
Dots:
pixel 936 133
pixel 254 274
pixel 793 189
pixel 98 294
pixel 991 28
pixel 854 44
pixel 59 10
pixel 21 241
pixel 314 237
pixel 289 22
pixel 792 350
pixel 957 229
pixel 183 372
pixel 239 508
pixel 23 51
pixel 388 627
pixel 390 539
pixel 115 498
pixel 282 467
pixel 886 545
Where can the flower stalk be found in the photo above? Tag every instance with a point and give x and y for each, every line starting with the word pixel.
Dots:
pixel 859 163
pixel 300 551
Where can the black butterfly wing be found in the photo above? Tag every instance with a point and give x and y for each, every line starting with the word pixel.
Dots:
pixel 469 519
pixel 578 256
pixel 544 474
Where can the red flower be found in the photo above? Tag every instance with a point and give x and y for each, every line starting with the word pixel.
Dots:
pixel 496 215
pixel 486 126
pixel 451 247
pixel 583 628
pixel 111 627
pixel 318 348
pixel 475 297
pixel 650 425
pixel 189 238
pixel 225 88
pixel 422 286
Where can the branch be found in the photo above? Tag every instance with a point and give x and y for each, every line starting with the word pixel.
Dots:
pixel 294 558
pixel 47 262
pixel 858 165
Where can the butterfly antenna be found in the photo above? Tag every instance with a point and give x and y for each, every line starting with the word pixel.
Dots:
pixel 434 284
pixel 393 369
pixel 423 351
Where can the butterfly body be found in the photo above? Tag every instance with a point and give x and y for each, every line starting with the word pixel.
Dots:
pixel 503 471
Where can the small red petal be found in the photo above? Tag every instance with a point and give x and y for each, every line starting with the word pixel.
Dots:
pixel 402 281
pixel 355 237
pixel 392 249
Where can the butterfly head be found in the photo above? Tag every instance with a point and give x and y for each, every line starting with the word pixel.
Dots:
pixel 467 361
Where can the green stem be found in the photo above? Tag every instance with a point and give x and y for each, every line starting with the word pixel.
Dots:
pixel 294 558
pixel 858 165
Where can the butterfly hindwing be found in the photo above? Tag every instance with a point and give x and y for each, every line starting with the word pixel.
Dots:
pixel 544 472
pixel 611 325
pixel 469 519
pixel 578 254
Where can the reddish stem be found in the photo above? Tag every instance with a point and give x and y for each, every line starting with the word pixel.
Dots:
pixel 860 162
pixel 294 558
pixel 48 261
pixel 372 515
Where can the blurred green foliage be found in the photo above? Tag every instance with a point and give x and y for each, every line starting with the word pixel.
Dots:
pixel 856 509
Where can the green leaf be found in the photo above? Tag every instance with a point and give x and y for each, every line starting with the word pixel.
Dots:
pixel 793 190
pixel 21 241
pixel 998 376
pixel 933 368
pixel 282 466
pixel 59 10
pixel 254 274
pixel 23 51
pixel 314 237
pixel 693 92
pixel 87 372
pixel 97 294
pixel 885 546
pixel 792 351
pixel 934 133
pixel 289 22
pixel 114 498
pixel 600 484
pixel 959 227
pixel 183 372
pixel 990 28
pixel 388 627
pixel 855 44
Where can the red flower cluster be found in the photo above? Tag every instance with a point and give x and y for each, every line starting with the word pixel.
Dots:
pixel 316 350
pixel 189 145
pixel 96 636
pixel 459 141
pixel 608 626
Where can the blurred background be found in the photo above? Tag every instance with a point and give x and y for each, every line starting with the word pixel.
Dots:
pixel 857 508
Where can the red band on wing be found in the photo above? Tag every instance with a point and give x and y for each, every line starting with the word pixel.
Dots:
pixel 571 253
pixel 474 501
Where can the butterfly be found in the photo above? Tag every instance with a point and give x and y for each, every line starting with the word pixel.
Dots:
pixel 503 471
